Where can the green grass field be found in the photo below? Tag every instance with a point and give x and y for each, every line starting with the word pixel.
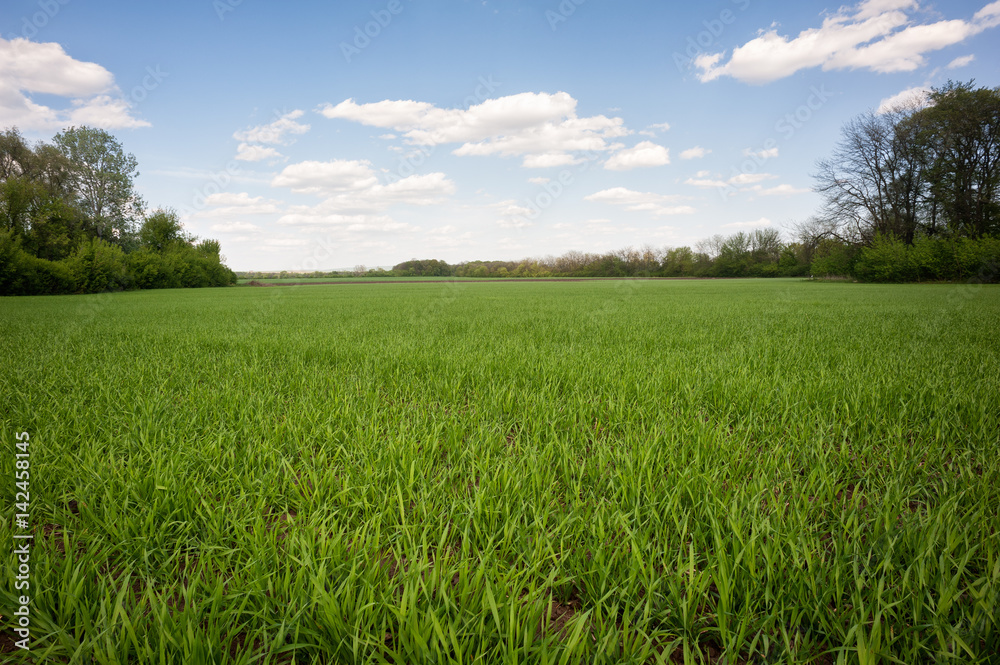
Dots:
pixel 347 280
pixel 604 472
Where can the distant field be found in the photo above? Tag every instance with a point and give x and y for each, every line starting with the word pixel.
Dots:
pixel 765 471
pixel 361 280
pixel 310 280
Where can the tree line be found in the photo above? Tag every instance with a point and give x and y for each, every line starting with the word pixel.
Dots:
pixel 71 221
pixel 914 193
pixel 910 194
pixel 757 253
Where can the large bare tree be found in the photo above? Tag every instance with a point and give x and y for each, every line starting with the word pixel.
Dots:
pixel 873 181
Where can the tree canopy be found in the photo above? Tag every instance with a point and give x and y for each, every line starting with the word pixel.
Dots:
pixel 71 221
pixel 917 171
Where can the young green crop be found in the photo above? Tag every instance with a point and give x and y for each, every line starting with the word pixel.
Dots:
pixel 605 472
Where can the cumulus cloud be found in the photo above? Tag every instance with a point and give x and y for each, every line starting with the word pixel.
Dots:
pixel 779 190
pixel 29 68
pixel 340 175
pixel 738 180
pixel 655 129
pixel 757 223
pixel 547 160
pixel 961 61
pixel 631 200
pixel 878 35
pixel 352 194
pixel 541 128
pixel 750 178
pixel 706 182
pixel 275 132
pixel 643 155
pixel 235 227
pixel 696 152
pixel 911 97
pixel 513 215
pixel 255 153
pixel 229 204
pixel 763 153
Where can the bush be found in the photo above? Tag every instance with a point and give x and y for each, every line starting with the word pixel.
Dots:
pixel 97 266
pixel 43 277
pixel 978 259
pixel 833 258
pixel 149 270
pixel 10 262
pixel 934 258
pixel 930 259
pixel 887 259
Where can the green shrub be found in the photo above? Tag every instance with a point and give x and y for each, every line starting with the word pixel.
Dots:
pixel 978 259
pixel 887 259
pixel 10 262
pixel 149 270
pixel 42 277
pixel 97 266
pixel 833 258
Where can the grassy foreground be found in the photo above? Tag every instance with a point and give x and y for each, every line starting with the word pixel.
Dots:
pixel 607 472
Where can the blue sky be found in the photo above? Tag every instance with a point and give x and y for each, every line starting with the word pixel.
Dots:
pixel 320 135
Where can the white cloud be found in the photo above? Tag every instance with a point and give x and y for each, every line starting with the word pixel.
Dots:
pixel 538 181
pixel 512 215
pixel 306 216
pixel 768 153
pixel 706 183
pixel 763 221
pixel 352 194
pixel 234 227
pixel 738 180
pixel 228 204
pixel 911 97
pixel 750 178
pixel 548 160
pixel 653 130
pixel 878 35
pixel 631 200
pixel 780 190
pixel 696 152
pixel 313 177
pixel 513 222
pixel 961 61
pixel 542 128
pixel 643 155
pixel 989 15
pixel 255 153
pixel 286 242
pixel 28 68
pixel 274 132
